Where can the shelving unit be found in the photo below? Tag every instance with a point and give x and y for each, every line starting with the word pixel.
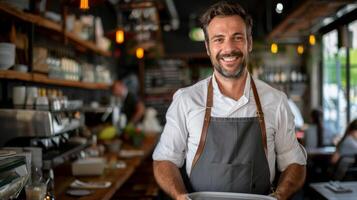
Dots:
pixel 50 25
pixel 161 80
pixel 41 78
pixel 56 28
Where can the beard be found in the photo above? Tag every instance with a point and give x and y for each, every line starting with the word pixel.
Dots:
pixel 240 66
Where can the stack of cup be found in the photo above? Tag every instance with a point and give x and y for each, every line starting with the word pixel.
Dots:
pixel 7 55
pixel 19 96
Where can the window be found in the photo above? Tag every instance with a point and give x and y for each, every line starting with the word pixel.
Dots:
pixel 334 100
pixel 335 96
pixel 352 27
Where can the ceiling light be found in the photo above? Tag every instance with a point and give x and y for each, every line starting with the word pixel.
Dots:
pixel 84 5
pixel 300 49
pixel 312 40
pixel 279 8
pixel 119 36
pixel 274 48
pixel 139 53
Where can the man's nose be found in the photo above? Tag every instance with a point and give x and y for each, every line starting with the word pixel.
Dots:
pixel 229 46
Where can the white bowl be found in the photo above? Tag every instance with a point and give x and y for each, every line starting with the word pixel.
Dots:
pixel 21 68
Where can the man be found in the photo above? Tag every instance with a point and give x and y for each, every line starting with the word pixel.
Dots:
pixel 130 105
pixel 229 129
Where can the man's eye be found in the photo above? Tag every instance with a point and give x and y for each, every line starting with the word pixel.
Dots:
pixel 218 40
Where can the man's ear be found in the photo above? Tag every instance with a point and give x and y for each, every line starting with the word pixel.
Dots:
pixel 250 43
pixel 207 48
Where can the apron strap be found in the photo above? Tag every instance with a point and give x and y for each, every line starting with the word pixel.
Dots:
pixel 209 103
pixel 260 115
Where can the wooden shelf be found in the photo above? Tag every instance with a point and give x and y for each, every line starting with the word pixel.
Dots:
pixel 41 78
pixel 50 25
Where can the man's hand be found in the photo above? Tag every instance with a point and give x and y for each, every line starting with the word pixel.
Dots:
pixel 183 197
pixel 290 181
pixel 169 178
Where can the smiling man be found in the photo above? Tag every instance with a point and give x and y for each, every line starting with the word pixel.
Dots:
pixel 227 132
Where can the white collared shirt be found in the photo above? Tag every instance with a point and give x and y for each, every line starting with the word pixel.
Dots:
pixel 184 121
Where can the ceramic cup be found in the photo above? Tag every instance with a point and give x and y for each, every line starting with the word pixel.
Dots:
pixel 18 96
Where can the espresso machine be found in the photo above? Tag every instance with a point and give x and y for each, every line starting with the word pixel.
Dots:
pixel 49 130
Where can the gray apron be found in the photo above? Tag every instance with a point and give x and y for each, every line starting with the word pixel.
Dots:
pixel 231 156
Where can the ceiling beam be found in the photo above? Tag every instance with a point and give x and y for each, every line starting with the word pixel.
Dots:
pixel 304 17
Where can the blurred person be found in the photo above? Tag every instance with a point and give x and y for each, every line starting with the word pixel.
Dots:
pixel 228 131
pixel 347 146
pixel 129 103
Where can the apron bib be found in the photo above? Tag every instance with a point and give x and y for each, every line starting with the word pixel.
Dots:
pixel 231 156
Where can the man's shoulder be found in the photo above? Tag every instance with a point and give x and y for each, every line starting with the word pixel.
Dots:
pixel 196 90
pixel 267 93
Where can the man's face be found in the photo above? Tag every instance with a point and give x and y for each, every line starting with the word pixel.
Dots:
pixel 228 45
pixel 118 89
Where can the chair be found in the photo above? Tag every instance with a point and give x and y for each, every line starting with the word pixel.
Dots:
pixel 342 168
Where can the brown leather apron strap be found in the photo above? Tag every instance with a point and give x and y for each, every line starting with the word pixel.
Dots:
pixel 260 115
pixel 209 103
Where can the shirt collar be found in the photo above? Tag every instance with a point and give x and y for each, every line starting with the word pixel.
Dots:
pixel 218 92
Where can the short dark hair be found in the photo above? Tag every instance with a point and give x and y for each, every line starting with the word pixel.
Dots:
pixel 224 8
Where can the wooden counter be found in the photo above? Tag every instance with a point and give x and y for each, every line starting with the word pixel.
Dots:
pixel 63 176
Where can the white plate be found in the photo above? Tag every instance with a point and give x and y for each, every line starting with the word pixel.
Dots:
pixel 78 193
pixel 4 153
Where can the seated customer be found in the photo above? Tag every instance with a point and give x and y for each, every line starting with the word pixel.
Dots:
pixel 348 144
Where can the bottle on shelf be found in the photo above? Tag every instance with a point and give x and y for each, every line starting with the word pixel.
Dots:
pixel 54 102
pixel 42 100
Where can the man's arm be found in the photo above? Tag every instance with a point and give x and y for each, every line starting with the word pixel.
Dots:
pixel 290 181
pixel 168 176
pixel 139 112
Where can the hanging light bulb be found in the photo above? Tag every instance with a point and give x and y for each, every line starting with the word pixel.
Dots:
pixel 274 48
pixel 300 49
pixel 312 39
pixel 139 53
pixel 84 5
pixel 119 36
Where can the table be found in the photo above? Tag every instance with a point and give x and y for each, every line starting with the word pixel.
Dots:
pixel 330 195
pixel 321 151
pixel 63 176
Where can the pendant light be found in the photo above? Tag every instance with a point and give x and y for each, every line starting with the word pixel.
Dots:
pixel 119 36
pixel 84 5
pixel 312 39
pixel 300 49
pixel 139 52
pixel 274 48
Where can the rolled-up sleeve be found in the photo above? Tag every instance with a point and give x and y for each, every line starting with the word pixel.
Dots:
pixel 173 141
pixel 287 147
